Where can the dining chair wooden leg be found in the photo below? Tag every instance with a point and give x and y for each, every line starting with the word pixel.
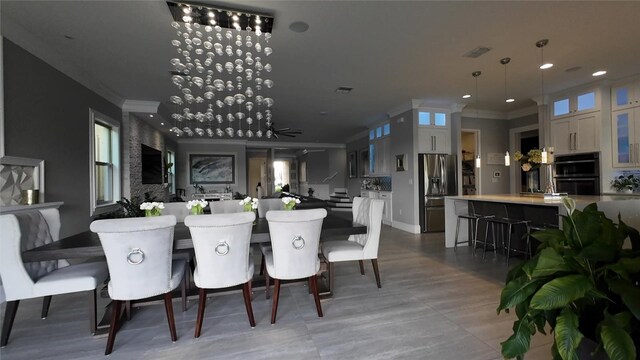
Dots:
pixel 246 292
pixel 262 265
pixel 276 296
pixel 168 306
pixel 267 285
pixel 309 286
pixel 46 302
pixel 331 277
pixel 127 309
pixel 9 317
pixel 202 302
pixel 113 329
pixel 184 288
pixel 313 279
pixel 374 262
pixel 93 311
pixel 361 267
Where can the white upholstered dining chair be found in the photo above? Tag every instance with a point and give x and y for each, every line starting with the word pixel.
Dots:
pixel 295 236
pixel 224 257
pixel 358 247
pixel 27 230
pixel 225 207
pixel 139 255
pixel 265 205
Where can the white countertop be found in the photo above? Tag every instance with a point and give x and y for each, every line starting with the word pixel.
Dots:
pixel 539 200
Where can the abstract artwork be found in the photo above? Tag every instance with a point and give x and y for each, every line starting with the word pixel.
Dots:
pixel 212 169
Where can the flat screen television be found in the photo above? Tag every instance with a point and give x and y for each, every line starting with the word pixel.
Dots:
pixel 151 165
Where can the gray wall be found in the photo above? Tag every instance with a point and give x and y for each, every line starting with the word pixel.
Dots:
pixel 47 117
pixel 494 138
pixel 323 164
pixel 182 164
pixel 531 119
pixel 353 185
pixel 405 183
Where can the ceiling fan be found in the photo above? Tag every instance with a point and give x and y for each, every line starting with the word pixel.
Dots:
pixel 286 131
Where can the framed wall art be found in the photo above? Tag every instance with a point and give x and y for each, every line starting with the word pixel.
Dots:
pixel 212 169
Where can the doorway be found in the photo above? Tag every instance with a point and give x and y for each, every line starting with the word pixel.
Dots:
pixel 529 140
pixel 257 173
pixel 470 174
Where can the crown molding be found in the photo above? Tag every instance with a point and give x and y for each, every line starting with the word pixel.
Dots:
pixel 402 108
pixel 458 107
pixel 16 33
pixel 141 106
pixel 484 114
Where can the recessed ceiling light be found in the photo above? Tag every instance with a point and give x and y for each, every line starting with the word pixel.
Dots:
pixel 161 123
pixel 546 66
pixel 150 115
pixel 299 26
pixel 466 96
pixel 323 113
pixel 510 100
pixel 344 90
pixel 599 73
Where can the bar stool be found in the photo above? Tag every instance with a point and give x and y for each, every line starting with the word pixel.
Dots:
pixel 468 213
pixel 502 220
pixel 538 222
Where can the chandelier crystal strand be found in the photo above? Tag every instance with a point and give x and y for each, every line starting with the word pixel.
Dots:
pixel 208 74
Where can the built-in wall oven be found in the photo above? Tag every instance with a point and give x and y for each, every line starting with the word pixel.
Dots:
pixel 578 174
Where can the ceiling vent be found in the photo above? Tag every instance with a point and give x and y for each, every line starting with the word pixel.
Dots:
pixel 477 52
pixel 344 90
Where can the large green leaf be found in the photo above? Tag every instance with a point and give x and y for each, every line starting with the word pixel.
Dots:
pixel 630 295
pixel 560 292
pixel 516 291
pixel 552 237
pixel 598 251
pixel 566 334
pixel 589 227
pixel 632 265
pixel 518 343
pixel 549 262
pixel 617 343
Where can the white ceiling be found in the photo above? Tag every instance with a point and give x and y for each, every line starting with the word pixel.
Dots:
pixel 389 52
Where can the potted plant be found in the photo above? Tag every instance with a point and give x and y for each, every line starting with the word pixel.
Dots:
pixel 531 161
pixel 583 284
pixel 625 183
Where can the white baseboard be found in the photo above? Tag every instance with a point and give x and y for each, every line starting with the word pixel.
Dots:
pixel 414 229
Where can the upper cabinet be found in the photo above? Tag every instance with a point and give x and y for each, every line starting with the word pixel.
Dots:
pixel 575 122
pixel 625 96
pixel 625 124
pixel 380 150
pixel 578 103
pixel 434 131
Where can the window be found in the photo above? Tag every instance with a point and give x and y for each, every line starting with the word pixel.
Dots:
pixel 379 132
pixel 386 129
pixel 104 142
pixel 561 107
pixel 587 101
pixel 441 119
pixel 424 118
pixel 372 134
pixel 622 96
pixel 171 171
pixel 281 175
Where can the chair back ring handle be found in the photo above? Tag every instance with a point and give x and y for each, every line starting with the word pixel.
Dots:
pixel 135 256
pixel 222 248
pixel 298 242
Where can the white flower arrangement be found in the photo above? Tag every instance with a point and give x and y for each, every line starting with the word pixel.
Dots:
pixel 196 206
pixel 152 208
pixel 290 203
pixel 249 203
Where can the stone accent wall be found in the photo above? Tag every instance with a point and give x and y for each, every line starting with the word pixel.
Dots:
pixel 142 133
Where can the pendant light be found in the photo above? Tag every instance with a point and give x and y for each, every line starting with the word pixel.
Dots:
pixel 476 74
pixel 505 61
pixel 507 159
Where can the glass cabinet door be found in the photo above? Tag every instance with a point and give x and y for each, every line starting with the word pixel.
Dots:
pixel 623 138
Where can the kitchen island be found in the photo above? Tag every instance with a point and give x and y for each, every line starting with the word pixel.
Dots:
pixel 612 205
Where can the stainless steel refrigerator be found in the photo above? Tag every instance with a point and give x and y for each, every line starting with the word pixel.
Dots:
pixel 437 178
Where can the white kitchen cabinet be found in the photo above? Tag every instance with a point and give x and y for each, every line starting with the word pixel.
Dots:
pixel 626 137
pixel 380 157
pixel 434 141
pixel 625 96
pixel 386 212
pixel 576 134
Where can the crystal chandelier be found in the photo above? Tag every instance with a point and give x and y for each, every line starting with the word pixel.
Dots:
pixel 220 72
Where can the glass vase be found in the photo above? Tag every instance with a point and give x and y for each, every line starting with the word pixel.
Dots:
pixel 531 181
pixel 152 212
pixel 197 210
